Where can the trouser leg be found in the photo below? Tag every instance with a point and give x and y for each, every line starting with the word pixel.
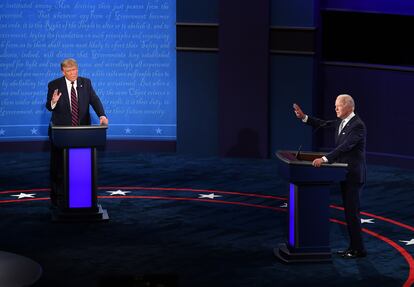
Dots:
pixel 350 196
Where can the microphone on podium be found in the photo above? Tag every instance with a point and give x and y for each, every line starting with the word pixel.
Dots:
pixel 298 152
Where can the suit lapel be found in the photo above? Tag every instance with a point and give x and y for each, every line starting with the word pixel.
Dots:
pixel 348 124
pixel 65 96
pixel 345 129
pixel 81 95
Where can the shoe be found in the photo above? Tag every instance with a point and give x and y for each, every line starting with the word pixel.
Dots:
pixel 351 254
pixel 342 252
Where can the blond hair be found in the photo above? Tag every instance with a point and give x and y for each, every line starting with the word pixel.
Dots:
pixel 69 62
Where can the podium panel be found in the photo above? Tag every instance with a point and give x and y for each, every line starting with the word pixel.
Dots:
pixel 80 177
pixel 308 239
pixel 78 136
pixel 77 146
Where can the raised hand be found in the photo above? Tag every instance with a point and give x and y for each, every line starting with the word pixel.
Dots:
pixel 298 111
pixel 56 96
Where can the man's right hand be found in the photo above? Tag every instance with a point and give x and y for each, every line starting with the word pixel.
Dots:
pixel 56 96
pixel 298 112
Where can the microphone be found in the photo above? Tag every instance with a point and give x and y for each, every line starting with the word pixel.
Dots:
pixel 322 125
pixel 298 152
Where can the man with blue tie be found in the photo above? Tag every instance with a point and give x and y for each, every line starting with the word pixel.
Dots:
pixel 69 98
pixel 350 143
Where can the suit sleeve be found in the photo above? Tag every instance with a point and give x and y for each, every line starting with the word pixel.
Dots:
pixel 96 103
pixel 357 134
pixel 316 123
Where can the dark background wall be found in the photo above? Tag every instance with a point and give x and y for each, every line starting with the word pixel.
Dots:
pixel 243 78
pixel 197 77
pixel 293 73
pixel 365 53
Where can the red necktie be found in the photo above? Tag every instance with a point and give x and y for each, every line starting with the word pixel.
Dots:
pixel 75 107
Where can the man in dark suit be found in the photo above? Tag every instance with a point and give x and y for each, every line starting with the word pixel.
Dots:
pixel 69 98
pixel 350 142
pixel 59 97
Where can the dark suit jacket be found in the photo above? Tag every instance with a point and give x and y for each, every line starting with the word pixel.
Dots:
pixel 61 114
pixel 349 146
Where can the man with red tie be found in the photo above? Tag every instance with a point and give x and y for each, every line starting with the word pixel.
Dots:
pixel 350 142
pixel 69 98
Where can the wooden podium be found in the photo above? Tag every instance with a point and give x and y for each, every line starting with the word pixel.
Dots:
pixel 308 206
pixel 78 150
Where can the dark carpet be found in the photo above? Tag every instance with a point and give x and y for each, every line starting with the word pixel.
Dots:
pixel 166 232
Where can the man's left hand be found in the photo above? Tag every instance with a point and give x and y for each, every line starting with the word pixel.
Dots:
pixel 317 162
pixel 103 121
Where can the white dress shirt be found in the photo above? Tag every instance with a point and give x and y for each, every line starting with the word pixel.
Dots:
pixel 69 87
pixel 346 120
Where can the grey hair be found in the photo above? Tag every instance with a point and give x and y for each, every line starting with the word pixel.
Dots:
pixel 347 100
pixel 69 62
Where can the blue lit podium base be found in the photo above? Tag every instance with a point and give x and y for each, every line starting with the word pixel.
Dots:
pixel 283 253
pixel 308 207
pixel 17 270
pixel 78 200
pixel 98 214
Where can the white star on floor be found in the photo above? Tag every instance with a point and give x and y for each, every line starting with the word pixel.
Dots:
pixel 24 195
pixel 211 195
pixel 128 130
pixel 118 192
pixel 368 220
pixel 34 131
pixel 2 132
pixel 410 242
pixel 158 131
pixel 284 205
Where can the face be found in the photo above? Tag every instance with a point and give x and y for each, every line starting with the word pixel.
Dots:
pixel 342 110
pixel 70 72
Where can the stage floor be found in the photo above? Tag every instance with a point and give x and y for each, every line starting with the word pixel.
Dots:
pixel 193 221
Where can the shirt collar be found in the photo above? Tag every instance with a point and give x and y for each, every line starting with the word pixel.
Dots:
pixel 348 118
pixel 69 83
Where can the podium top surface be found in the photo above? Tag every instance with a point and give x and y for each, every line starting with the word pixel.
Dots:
pixel 91 127
pixel 304 158
pixel 299 169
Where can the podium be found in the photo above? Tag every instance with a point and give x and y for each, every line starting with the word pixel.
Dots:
pixel 308 208
pixel 77 164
